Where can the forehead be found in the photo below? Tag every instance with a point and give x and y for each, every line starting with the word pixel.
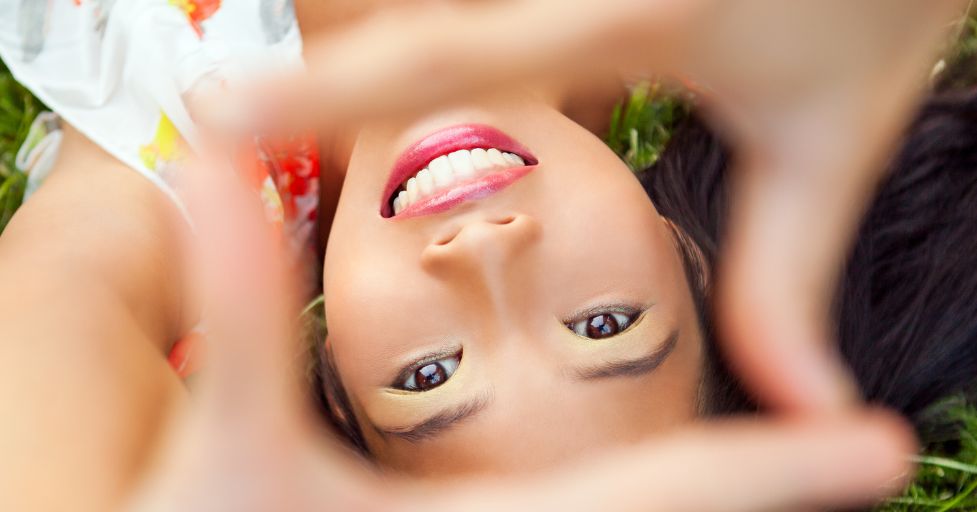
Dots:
pixel 534 420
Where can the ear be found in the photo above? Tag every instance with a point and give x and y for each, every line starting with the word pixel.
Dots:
pixel 692 255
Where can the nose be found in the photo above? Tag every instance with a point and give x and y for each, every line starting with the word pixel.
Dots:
pixel 481 246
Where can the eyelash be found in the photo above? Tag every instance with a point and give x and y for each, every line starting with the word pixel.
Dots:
pixel 407 380
pixel 622 318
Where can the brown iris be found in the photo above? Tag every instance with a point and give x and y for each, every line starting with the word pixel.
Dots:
pixel 430 376
pixel 602 326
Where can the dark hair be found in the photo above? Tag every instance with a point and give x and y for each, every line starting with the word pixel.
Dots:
pixel 906 306
pixel 327 393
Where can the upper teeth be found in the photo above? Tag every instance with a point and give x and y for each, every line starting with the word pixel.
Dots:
pixel 446 170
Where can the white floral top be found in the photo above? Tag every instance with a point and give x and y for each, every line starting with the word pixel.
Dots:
pixel 121 71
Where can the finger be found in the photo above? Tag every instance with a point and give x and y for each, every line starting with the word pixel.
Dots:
pixel 788 238
pixel 248 304
pixel 320 16
pixel 737 467
pixel 249 444
pixel 804 181
pixel 406 59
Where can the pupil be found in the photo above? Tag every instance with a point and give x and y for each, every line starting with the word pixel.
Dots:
pixel 602 326
pixel 430 376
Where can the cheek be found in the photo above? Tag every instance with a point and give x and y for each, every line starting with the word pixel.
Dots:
pixel 619 249
pixel 627 410
pixel 365 313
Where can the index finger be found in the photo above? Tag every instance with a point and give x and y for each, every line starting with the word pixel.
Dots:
pixel 409 58
pixel 728 467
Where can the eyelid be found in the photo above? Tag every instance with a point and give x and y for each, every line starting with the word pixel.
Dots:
pixel 441 421
pixel 419 363
pixel 637 311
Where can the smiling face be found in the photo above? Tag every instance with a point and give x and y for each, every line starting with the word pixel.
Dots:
pixel 517 310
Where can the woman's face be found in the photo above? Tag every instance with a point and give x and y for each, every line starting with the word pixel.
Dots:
pixel 516 316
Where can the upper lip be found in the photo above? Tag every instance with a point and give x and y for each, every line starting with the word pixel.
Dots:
pixel 443 142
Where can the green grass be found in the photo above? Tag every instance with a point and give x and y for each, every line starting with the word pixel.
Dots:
pixel 641 127
pixel 947 476
pixel 18 108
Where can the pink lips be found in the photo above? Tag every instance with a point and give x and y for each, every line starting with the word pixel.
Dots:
pixel 448 140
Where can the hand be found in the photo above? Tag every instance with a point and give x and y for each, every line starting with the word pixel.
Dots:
pixel 250 443
pixel 811 92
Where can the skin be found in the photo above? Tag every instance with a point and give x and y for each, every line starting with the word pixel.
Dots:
pixel 91 300
pixel 500 292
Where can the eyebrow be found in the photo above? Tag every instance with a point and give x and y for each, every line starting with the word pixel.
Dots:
pixel 633 367
pixel 440 422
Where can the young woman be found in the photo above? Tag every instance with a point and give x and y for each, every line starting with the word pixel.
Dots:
pixel 499 272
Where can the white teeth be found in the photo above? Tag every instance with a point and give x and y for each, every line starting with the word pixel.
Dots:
pixel 412 192
pixel 495 156
pixel 441 172
pixel 513 159
pixel 461 163
pixel 480 159
pixel 401 202
pixel 425 182
pixel 446 170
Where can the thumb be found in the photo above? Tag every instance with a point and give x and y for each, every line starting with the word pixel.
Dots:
pixel 798 200
pixel 250 305
pixel 812 161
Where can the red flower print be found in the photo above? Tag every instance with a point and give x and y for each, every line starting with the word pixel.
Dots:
pixel 197 11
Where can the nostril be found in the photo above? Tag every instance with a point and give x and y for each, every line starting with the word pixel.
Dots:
pixel 447 238
pixel 473 243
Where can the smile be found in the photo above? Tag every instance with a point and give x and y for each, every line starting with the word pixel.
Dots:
pixel 452 166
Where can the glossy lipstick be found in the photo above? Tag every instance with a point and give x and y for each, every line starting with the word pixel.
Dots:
pixel 444 142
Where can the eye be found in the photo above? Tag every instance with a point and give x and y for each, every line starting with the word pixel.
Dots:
pixel 430 374
pixel 603 324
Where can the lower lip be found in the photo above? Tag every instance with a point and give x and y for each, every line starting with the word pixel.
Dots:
pixel 473 190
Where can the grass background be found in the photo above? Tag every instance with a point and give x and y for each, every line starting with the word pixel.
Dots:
pixel 18 108
pixel 639 130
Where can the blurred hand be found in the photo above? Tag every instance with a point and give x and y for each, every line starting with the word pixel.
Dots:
pixel 249 441
pixel 811 92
